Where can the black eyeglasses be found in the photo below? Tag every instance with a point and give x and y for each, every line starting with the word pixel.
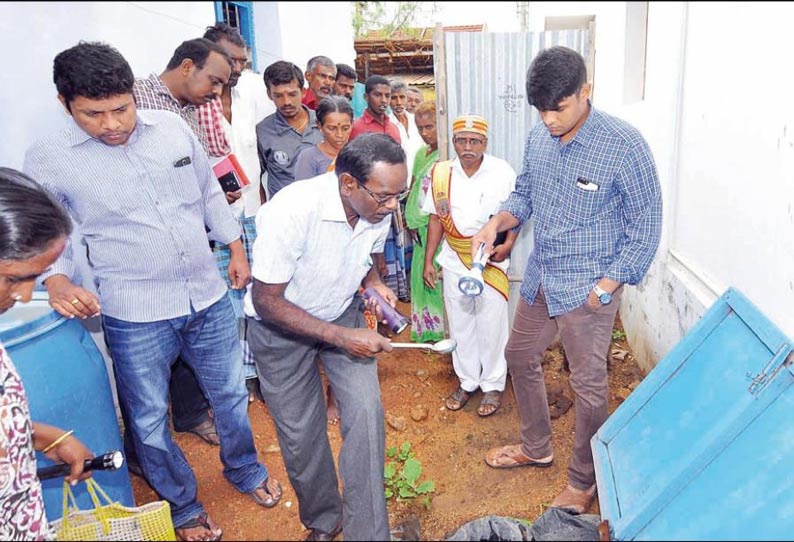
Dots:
pixel 383 200
pixel 473 141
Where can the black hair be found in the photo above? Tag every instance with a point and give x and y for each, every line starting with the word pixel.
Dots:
pixel 358 156
pixel 333 104
pixel 30 218
pixel 555 74
pixel 282 72
pixel 346 71
pixel 93 70
pixel 319 61
pixel 198 50
pixel 222 31
pixel 375 80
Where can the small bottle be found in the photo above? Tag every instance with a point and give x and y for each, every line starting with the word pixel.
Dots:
pixel 396 321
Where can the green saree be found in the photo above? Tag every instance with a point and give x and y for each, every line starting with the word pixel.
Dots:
pixel 427 307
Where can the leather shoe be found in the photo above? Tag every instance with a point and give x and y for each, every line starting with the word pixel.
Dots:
pixel 322 536
pixel 576 501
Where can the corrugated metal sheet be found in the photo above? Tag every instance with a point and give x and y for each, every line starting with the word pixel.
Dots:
pixel 486 75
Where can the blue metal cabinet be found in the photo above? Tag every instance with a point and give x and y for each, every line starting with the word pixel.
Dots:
pixel 704 447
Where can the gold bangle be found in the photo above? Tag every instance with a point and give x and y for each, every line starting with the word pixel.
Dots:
pixel 57 441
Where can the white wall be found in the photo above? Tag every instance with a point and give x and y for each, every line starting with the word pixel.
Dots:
pixel 734 219
pixel 717 117
pixel 729 194
pixel 310 29
pixel 609 46
pixel 146 33
pixel 267 31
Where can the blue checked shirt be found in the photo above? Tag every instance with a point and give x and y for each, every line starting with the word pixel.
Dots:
pixel 142 218
pixel 597 209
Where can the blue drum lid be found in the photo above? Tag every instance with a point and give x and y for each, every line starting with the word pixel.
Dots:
pixel 26 321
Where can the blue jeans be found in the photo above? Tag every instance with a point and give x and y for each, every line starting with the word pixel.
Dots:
pixel 143 354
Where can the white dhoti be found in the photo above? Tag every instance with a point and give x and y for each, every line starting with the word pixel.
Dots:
pixel 480 325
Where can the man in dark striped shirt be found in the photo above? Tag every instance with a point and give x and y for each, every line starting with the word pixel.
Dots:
pixel 194 76
pixel 590 183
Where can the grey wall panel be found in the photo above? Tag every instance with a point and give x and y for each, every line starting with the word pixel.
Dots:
pixel 486 75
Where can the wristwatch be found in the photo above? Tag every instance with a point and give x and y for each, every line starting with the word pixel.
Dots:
pixel 604 297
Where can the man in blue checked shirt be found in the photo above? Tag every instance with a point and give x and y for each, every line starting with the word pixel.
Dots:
pixel 590 183
pixel 141 188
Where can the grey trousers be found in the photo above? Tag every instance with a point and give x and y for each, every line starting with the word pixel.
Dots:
pixel 586 335
pixel 291 386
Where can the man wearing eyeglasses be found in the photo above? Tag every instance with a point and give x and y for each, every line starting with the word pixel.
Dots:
pixel 466 192
pixel 313 252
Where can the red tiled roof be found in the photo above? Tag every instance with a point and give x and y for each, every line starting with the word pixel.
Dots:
pixel 404 52
pixel 425 33
pixel 465 28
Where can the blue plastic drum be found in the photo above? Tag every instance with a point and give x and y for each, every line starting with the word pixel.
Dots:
pixel 67 385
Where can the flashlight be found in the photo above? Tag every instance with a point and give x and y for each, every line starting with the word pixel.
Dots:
pixel 108 461
pixel 471 284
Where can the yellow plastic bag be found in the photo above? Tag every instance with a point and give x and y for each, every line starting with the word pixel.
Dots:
pixel 112 521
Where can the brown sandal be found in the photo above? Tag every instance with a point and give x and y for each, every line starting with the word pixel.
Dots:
pixel 507 457
pixel 576 501
pixel 457 399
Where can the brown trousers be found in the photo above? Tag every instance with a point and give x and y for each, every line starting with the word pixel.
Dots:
pixel 586 335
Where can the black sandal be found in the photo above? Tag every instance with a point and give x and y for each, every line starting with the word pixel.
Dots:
pixel 202 520
pixel 206 431
pixel 491 401
pixel 272 499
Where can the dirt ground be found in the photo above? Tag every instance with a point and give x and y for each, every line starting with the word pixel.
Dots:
pixel 450 446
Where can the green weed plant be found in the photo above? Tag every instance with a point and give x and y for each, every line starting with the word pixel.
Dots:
pixel 402 473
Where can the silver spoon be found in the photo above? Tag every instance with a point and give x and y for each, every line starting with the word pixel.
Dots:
pixel 444 346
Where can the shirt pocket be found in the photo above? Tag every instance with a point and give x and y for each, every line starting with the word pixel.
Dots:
pixel 585 197
pixel 179 183
pixel 489 206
